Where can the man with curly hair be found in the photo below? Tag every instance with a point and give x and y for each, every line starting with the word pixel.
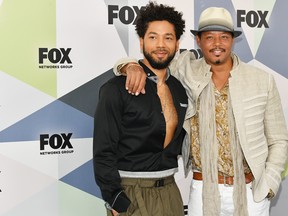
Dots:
pixel 137 140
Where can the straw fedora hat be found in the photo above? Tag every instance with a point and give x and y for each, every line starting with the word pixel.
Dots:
pixel 216 19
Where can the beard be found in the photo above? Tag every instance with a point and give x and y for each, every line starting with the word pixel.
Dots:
pixel 217 62
pixel 158 64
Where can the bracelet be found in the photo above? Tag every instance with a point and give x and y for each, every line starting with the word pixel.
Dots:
pixel 120 66
pixel 131 64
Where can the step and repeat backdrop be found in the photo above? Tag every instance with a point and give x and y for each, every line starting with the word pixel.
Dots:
pixel 54 56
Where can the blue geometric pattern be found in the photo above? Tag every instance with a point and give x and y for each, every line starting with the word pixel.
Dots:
pixel 56 117
pixel 83 179
pixel 273 49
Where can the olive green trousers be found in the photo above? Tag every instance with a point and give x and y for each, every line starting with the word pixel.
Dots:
pixel 152 197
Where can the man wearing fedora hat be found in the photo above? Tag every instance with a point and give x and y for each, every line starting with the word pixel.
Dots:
pixel 237 139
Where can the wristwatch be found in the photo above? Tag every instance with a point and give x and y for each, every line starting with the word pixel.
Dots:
pixel 108 206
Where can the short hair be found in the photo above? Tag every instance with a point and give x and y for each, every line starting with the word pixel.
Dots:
pixel 154 12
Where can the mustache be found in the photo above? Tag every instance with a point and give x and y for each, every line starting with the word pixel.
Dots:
pixel 161 50
pixel 217 49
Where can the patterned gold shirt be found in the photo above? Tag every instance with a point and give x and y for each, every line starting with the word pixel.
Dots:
pixel 225 162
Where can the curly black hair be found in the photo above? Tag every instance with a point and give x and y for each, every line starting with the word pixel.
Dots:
pixel 154 12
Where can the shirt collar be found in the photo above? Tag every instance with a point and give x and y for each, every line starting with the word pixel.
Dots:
pixel 152 76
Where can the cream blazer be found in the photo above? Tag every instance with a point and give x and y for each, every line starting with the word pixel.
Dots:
pixel 258 113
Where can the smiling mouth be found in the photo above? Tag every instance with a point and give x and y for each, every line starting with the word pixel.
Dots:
pixel 160 54
pixel 217 52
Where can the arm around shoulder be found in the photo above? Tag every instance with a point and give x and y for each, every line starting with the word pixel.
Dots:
pixel 185 56
pixel 121 63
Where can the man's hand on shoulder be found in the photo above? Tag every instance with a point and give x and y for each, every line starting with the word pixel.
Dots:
pixel 136 78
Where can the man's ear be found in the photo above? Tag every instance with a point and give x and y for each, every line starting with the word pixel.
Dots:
pixel 198 40
pixel 177 45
